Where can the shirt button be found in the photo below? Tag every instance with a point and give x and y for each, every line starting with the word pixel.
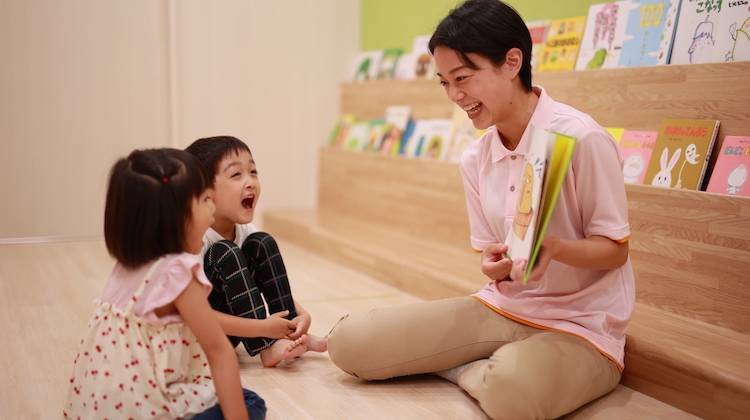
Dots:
pixel 512 188
pixel 513 157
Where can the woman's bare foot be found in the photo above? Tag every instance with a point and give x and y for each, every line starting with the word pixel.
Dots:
pixel 283 349
pixel 315 343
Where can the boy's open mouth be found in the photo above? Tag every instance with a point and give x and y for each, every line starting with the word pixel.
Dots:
pixel 248 202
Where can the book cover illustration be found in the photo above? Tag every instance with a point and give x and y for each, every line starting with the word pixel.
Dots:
pixel 436 139
pixel 538 30
pixel 616 133
pixel 561 48
pixel 604 35
pixel 712 31
pixel 649 34
pixel 683 148
pixel 357 137
pixel 732 166
pixel 366 65
pixel 424 65
pixel 388 63
pixel 396 120
pixel 636 148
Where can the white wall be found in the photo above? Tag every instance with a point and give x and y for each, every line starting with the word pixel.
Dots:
pixel 85 81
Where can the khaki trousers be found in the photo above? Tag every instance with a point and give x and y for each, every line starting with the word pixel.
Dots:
pixel 524 373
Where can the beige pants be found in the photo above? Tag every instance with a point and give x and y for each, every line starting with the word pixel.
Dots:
pixel 525 373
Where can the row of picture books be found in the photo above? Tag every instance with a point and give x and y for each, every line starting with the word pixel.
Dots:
pixel 676 156
pixel 626 33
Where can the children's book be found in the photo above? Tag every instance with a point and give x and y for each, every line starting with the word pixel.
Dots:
pixel 538 30
pixel 424 65
pixel 366 65
pixel 375 136
pixel 732 166
pixel 636 148
pixel 544 169
pixel 604 35
pixel 712 31
pixel 396 120
pixel 436 139
pixel 406 67
pixel 417 139
pixel 563 41
pixel 649 33
pixel 615 132
pixel 462 134
pixel 388 63
pixel 356 139
pixel 340 130
pixel 681 153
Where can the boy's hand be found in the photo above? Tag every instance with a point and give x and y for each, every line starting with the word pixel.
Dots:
pixel 303 324
pixel 494 263
pixel 276 326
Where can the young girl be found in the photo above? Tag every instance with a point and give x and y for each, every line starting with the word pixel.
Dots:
pixel 523 351
pixel 154 348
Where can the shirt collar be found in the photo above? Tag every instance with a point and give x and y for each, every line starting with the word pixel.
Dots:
pixel 542 117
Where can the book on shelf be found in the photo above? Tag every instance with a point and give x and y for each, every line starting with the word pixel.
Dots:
pixel 388 63
pixel 636 148
pixel 616 133
pixel 712 32
pixel 340 130
pixel 357 137
pixel 463 134
pixel 424 64
pixel 538 30
pixel 436 137
pixel 649 34
pixel 681 153
pixel 604 35
pixel 562 44
pixel 396 120
pixel 365 66
pixel 545 167
pixel 732 166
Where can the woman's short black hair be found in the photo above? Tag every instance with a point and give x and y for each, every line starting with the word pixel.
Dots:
pixel 149 202
pixel 211 150
pixel 486 27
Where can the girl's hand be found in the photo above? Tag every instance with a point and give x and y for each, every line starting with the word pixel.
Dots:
pixel 303 324
pixel 276 326
pixel 494 263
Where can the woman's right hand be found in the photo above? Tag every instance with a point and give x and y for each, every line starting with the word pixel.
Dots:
pixel 494 263
pixel 276 326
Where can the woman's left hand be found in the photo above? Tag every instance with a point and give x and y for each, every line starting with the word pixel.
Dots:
pixel 550 248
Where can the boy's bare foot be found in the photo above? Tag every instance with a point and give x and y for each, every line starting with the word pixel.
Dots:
pixel 315 343
pixel 283 349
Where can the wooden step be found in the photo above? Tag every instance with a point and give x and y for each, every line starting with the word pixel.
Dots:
pixel 699 367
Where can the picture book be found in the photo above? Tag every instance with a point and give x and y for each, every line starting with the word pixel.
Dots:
pixel 375 135
pixel 463 133
pixel 681 153
pixel 712 31
pixel 340 130
pixel 649 33
pixel 604 35
pixel 388 63
pixel 563 41
pixel 424 65
pixel 357 137
pixel 366 65
pixel 417 139
pixel 396 121
pixel 615 132
pixel 732 166
pixel 436 139
pixel 538 30
pixel 636 148
pixel 544 169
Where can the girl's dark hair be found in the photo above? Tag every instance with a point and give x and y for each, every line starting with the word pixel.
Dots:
pixel 149 202
pixel 486 27
pixel 211 150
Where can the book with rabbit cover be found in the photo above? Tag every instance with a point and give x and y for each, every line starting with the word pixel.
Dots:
pixel 732 166
pixel 681 153
pixel 544 169
pixel 636 148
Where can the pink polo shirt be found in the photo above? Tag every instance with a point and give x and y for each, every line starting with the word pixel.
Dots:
pixel 593 304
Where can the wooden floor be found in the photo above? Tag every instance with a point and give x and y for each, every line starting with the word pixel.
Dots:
pixel 47 293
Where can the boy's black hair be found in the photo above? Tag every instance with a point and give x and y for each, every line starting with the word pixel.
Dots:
pixel 486 27
pixel 211 150
pixel 149 202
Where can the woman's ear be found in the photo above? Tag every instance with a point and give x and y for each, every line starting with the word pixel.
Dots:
pixel 513 61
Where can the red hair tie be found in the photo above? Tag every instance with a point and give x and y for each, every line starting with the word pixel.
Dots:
pixel 164 179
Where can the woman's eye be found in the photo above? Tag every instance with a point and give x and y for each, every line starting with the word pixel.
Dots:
pixel 236 175
pixel 461 78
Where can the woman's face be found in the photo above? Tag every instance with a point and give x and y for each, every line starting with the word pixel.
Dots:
pixel 485 93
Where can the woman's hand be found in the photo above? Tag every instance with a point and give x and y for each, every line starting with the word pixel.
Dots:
pixel 494 263
pixel 550 248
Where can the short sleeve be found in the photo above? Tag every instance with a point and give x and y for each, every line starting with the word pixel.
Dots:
pixel 481 235
pixel 600 188
pixel 168 282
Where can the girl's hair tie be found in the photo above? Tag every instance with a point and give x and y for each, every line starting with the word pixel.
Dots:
pixel 164 179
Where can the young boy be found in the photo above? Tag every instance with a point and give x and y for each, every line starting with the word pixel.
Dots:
pixel 243 263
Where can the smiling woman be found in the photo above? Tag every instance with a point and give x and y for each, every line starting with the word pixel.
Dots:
pixel 540 349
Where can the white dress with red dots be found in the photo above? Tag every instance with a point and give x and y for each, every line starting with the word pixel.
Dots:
pixel 133 364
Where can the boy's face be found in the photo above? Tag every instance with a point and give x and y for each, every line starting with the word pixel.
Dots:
pixel 236 188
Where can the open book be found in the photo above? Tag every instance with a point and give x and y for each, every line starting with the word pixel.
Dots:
pixel 544 169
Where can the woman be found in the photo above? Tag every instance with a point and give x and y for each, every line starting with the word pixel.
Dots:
pixel 535 350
